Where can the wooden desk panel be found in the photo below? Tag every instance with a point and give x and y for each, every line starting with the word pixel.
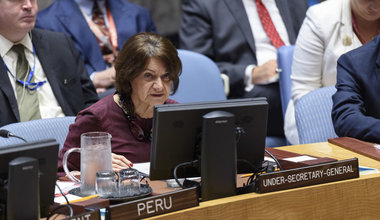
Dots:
pixel 325 149
pixel 349 199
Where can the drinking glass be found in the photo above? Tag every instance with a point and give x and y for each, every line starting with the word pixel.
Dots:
pixel 106 184
pixel 129 182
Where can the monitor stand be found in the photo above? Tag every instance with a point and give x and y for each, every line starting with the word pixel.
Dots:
pixel 23 189
pixel 218 155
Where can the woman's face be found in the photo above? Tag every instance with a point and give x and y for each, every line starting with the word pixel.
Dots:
pixel 152 86
pixel 367 9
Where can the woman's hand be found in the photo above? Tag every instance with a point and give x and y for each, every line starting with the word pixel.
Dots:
pixel 119 162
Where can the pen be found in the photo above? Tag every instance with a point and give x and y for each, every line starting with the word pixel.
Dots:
pixel 246 175
pixel 84 198
pixel 250 174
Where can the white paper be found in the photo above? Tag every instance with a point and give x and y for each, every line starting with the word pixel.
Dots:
pixel 142 167
pixel 367 170
pixel 268 159
pixel 300 158
pixel 65 186
pixel 62 200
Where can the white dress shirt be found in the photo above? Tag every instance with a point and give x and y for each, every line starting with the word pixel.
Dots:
pixel 86 7
pixel 265 51
pixel 48 104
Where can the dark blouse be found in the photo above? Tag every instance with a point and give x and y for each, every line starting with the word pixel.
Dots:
pixel 106 116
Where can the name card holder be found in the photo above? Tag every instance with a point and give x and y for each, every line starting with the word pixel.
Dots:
pixel 154 205
pixel 307 176
pixel 91 215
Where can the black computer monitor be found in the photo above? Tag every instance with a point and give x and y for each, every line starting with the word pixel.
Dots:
pixel 177 128
pixel 46 153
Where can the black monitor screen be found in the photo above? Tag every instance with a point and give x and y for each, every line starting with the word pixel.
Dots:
pixel 177 128
pixel 46 152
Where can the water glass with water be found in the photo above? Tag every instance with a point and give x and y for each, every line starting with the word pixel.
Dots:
pixel 129 182
pixel 106 184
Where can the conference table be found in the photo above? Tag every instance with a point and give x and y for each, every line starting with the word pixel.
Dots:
pixel 357 198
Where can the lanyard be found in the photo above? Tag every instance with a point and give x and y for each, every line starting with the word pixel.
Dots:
pixel 28 84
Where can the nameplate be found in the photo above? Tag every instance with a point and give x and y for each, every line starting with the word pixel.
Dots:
pixel 154 205
pixel 92 215
pixel 309 175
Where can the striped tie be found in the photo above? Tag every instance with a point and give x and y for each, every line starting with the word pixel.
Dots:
pixel 105 45
pixel 27 100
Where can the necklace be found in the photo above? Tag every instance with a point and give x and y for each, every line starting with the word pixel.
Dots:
pixel 137 131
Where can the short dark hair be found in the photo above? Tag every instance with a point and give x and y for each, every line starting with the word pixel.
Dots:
pixel 134 56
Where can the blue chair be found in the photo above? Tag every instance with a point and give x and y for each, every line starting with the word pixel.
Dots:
pixel 56 128
pixel 284 61
pixel 313 116
pixel 200 79
pixel 313 2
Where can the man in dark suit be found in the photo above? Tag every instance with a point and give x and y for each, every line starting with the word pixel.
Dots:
pixel 75 18
pixel 54 76
pixel 230 33
pixel 356 103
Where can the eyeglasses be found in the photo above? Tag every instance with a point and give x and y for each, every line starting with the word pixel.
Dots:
pixel 136 130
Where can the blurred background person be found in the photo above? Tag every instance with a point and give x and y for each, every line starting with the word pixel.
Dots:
pixel 166 15
pixel 147 68
pixel 330 29
pixel 356 108
pixel 99 28
pixel 242 37
pixel 35 82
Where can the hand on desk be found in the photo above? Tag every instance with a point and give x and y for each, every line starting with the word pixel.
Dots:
pixel 119 162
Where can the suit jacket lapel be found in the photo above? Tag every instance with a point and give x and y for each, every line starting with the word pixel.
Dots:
pixel 6 87
pixel 44 53
pixel 72 19
pixel 378 56
pixel 287 19
pixel 237 9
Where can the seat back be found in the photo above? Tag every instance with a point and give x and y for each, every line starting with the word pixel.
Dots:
pixel 200 79
pixel 313 2
pixel 284 61
pixel 56 128
pixel 313 116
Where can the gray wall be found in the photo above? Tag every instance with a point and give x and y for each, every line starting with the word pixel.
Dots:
pixel 43 3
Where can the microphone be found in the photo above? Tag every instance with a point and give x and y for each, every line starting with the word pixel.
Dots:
pixel 7 134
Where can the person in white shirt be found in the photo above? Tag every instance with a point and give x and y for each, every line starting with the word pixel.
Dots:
pixel 232 34
pixel 330 29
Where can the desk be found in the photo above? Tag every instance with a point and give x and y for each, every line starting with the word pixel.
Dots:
pixel 349 199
